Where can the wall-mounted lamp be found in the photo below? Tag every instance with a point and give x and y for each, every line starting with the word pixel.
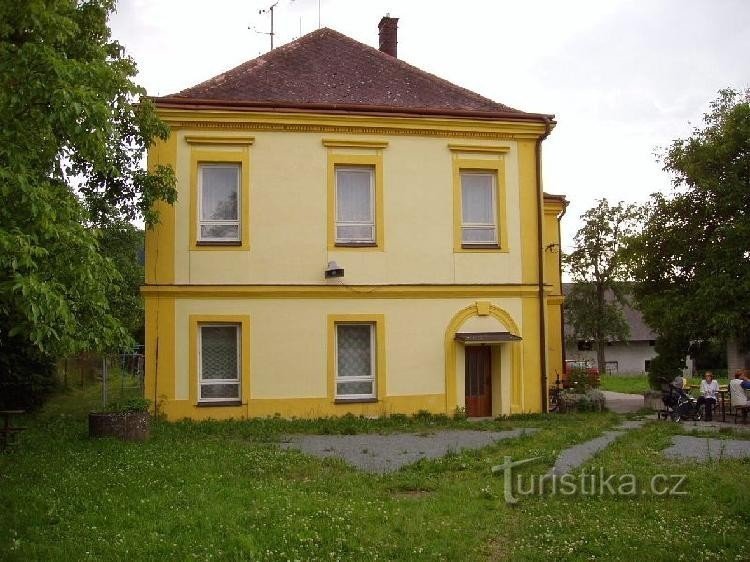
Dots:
pixel 333 270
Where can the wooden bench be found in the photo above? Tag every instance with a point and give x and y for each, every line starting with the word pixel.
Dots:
pixel 8 431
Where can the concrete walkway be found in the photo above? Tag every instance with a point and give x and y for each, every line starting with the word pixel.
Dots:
pixel 577 455
pixel 691 425
pixel 377 453
pixel 702 449
pixel 622 403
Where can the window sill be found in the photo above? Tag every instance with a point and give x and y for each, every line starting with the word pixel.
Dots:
pixel 355 400
pixel 219 243
pixel 356 244
pixel 222 403
pixel 481 246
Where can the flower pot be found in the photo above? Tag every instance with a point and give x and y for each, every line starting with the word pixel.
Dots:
pixel 126 426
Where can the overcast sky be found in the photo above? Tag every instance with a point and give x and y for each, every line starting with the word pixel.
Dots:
pixel 622 77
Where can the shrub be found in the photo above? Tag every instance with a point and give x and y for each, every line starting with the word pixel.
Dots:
pixel 27 376
pixel 131 405
pixel 669 360
pixel 582 379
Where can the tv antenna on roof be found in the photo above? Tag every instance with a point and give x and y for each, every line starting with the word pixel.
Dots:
pixel 267 11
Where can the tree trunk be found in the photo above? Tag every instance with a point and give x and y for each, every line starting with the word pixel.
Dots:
pixel 600 343
pixel 601 361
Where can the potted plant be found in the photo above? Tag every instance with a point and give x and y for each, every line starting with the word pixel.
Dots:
pixel 127 421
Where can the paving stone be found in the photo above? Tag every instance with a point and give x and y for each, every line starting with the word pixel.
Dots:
pixel 631 424
pixel 576 455
pixel 702 449
pixel 387 453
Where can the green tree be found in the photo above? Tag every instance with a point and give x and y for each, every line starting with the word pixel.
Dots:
pixel 123 244
pixel 72 146
pixel 692 257
pixel 598 271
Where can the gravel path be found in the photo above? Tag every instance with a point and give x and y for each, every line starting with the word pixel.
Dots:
pixel 703 449
pixel 576 455
pixel 621 402
pixel 387 453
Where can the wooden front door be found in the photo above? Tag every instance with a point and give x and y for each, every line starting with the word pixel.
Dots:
pixel 478 380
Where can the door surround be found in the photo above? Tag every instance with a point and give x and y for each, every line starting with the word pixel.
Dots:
pixel 515 348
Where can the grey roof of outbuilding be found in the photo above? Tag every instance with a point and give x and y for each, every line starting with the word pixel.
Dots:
pixel 639 330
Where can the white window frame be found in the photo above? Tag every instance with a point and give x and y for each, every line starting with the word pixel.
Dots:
pixel 235 381
pixel 206 222
pixel 373 212
pixel 483 226
pixel 373 363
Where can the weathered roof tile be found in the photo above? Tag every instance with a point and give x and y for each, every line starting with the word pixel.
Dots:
pixel 327 68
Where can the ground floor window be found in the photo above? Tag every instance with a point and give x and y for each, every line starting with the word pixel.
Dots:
pixel 219 361
pixel 355 360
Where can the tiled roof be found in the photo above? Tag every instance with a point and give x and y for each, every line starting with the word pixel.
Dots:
pixel 639 330
pixel 328 69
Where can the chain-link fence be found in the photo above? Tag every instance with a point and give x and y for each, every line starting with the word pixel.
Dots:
pixel 119 375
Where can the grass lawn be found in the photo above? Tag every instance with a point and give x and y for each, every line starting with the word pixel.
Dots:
pixel 224 491
pixel 620 383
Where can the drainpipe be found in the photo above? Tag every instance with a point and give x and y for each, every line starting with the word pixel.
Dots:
pixel 540 251
pixel 562 311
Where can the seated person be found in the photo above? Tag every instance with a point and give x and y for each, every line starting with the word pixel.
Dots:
pixel 674 392
pixel 709 392
pixel 742 376
pixel 737 396
pixel 680 385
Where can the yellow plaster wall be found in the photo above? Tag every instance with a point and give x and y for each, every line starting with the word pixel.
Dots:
pixel 160 240
pixel 160 349
pixel 460 366
pixel 288 352
pixel 288 217
pixel 552 248
pixel 498 351
pixel 553 210
pixel 528 210
pixel 554 342
pixel 289 356
pixel 532 364
pixel 288 245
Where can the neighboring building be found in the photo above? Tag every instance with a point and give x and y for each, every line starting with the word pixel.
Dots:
pixel 352 235
pixel 737 357
pixel 631 356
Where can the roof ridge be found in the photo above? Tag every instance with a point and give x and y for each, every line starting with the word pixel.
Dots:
pixel 404 64
pixel 326 68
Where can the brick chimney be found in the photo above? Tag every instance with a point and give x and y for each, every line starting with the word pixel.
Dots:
pixel 388 28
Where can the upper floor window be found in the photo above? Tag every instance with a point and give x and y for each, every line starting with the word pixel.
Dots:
pixel 219 191
pixel 219 202
pixel 478 209
pixel 355 205
pixel 479 198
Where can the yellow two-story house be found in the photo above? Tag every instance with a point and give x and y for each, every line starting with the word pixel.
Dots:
pixel 351 235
